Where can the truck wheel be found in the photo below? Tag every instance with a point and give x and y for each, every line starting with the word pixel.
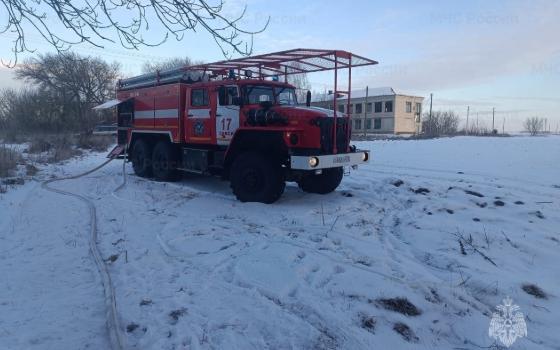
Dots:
pixel 256 178
pixel 142 158
pixel 323 183
pixel 164 162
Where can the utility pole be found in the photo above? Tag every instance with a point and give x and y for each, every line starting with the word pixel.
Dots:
pixel 431 100
pixel 365 110
pixel 430 117
pixel 477 122
pixel 467 127
pixel 493 112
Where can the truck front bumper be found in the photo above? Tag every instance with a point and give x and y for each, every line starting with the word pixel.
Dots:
pixel 329 161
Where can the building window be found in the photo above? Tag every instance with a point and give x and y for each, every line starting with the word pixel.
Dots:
pixel 418 109
pixel 358 108
pixel 409 107
pixel 341 108
pixel 377 123
pixel 368 108
pixel 388 106
pixel 378 107
pixel 199 97
pixel 357 124
pixel 368 124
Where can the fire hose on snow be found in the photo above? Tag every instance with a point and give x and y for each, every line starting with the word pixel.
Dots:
pixel 115 337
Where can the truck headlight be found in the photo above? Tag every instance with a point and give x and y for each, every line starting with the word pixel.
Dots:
pixel 365 156
pixel 313 162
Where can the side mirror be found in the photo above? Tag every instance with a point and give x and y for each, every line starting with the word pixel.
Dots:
pixel 308 99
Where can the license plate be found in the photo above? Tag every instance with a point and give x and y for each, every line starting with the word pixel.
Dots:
pixel 341 159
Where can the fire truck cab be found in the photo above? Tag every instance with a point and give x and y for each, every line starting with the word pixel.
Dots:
pixel 236 120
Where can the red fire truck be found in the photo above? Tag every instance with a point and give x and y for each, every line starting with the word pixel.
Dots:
pixel 240 119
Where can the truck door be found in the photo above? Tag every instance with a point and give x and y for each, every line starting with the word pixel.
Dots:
pixel 227 114
pixel 201 107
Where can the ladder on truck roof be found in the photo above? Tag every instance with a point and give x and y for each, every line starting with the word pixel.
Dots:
pixel 170 76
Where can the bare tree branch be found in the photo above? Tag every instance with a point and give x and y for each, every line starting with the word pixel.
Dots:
pixel 534 125
pixel 174 62
pixel 300 81
pixel 97 21
pixel 440 123
pixel 75 83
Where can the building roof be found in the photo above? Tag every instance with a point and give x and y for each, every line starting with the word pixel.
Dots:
pixel 378 91
pixel 361 93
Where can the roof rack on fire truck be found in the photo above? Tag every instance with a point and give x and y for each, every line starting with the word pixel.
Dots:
pixel 265 66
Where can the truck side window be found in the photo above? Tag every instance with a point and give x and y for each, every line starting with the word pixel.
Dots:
pixel 199 97
pixel 226 95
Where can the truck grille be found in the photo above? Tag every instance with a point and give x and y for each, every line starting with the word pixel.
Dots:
pixel 342 141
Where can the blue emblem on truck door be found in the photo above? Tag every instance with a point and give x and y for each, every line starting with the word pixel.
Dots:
pixel 199 128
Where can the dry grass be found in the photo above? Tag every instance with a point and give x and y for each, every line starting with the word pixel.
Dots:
pixel 63 152
pixel 39 145
pixel 400 305
pixel 368 323
pixel 56 147
pixel 405 331
pixel 534 290
pixel 31 170
pixel 9 159
pixel 98 143
pixel 12 137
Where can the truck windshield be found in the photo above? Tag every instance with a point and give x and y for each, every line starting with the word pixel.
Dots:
pixel 285 96
pixel 255 94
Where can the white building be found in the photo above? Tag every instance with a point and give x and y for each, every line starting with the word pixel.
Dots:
pixel 384 112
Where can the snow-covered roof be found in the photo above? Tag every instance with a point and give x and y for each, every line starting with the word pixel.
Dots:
pixel 377 91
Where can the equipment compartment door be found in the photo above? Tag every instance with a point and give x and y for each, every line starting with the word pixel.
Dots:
pixel 227 114
pixel 201 109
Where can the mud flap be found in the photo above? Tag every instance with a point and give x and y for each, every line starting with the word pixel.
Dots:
pixel 117 152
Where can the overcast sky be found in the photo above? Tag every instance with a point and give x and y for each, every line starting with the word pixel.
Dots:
pixel 482 54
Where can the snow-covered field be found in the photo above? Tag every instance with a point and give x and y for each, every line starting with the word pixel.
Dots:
pixel 452 225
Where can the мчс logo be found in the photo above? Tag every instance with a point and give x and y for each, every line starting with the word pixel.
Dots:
pixel 507 324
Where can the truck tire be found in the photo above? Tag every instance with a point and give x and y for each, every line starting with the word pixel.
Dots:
pixel 142 158
pixel 256 178
pixel 323 183
pixel 164 162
